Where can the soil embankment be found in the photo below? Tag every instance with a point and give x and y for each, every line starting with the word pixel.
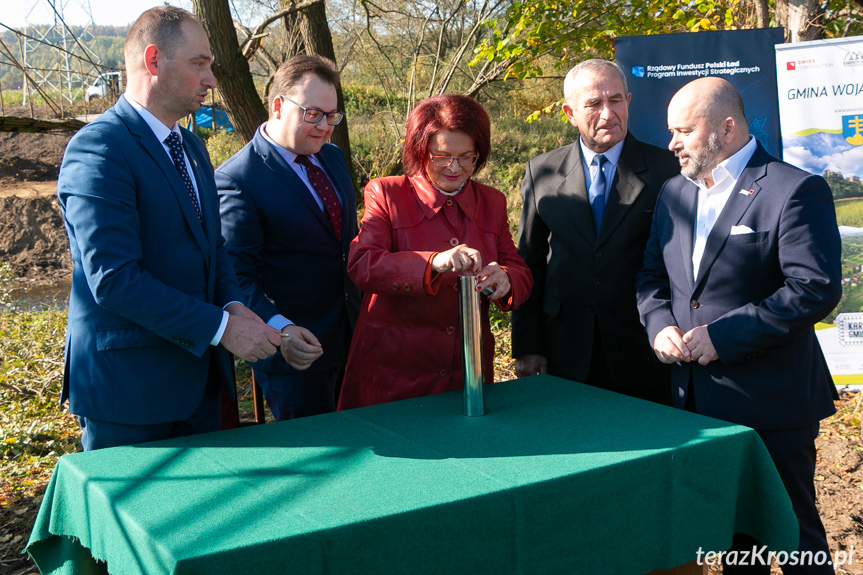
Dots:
pixel 32 239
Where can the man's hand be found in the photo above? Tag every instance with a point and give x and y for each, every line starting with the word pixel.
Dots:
pixel 700 346
pixel 300 348
pixel 247 336
pixel 528 365
pixel 669 346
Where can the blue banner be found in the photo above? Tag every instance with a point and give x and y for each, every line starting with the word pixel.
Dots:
pixel 659 65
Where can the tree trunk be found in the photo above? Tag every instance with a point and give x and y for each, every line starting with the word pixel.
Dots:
pixel 762 17
pixel 244 105
pixel 800 18
pixel 315 33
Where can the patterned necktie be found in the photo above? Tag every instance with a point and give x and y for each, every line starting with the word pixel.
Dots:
pixel 326 192
pixel 597 191
pixel 176 147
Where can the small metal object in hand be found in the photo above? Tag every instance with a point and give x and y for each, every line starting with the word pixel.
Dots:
pixel 285 335
pixel 487 291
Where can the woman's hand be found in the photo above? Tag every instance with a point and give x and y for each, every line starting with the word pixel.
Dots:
pixel 459 259
pixel 494 276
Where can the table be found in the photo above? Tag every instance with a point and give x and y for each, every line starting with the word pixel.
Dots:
pixel 557 478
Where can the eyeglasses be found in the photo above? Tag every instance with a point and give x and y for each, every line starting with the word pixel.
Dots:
pixel 314 115
pixel 446 161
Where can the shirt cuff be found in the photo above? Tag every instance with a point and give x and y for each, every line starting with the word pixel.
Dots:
pixel 279 322
pixel 218 337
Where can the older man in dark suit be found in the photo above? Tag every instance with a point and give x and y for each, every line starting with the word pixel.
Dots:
pixel 153 290
pixel 585 222
pixel 743 259
pixel 288 216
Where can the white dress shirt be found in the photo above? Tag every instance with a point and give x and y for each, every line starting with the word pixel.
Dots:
pixel 711 200
pixel 161 131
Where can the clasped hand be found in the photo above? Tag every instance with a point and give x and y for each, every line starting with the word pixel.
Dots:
pixel 672 345
pixel 465 259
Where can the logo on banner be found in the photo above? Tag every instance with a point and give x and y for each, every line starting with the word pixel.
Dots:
pixel 791 65
pixel 853 59
pixel 852 129
pixel 850 329
pixel 638 71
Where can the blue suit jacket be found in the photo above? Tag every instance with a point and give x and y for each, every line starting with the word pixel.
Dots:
pixel 759 294
pixel 285 252
pixel 149 280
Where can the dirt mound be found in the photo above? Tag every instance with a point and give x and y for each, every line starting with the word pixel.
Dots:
pixel 32 238
pixel 31 157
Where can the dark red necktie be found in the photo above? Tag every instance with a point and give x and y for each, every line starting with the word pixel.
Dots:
pixel 326 192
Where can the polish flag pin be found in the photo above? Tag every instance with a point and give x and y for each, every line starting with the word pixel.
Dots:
pixel 746 192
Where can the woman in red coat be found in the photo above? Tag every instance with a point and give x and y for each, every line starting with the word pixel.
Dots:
pixel 418 234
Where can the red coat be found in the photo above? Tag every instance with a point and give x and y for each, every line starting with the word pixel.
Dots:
pixel 407 342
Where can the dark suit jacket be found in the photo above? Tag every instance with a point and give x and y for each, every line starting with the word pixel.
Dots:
pixel 580 277
pixel 759 294
pixel 149 280
pixel 285 252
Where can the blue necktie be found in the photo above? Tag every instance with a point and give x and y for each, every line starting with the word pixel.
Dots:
pixel 176 147
pixel 598 190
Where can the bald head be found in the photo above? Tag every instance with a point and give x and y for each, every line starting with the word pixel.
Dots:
pixel 707 124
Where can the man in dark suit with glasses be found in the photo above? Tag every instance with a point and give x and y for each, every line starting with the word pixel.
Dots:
pixel 288 216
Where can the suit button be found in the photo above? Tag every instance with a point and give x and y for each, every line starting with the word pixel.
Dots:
pixel 344 257
pixel 395 287
pixel 346 296
pixel 450 330
pixel 454 287
pixel 407 287
pixel 453 242
pixel 596 282
pixel 597 255
pixel 449 202
pixel 444 373
pixel 694 304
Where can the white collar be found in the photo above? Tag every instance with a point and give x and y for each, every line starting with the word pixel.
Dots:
pixel 160 130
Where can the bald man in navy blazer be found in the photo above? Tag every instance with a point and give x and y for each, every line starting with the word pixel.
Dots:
pixel 154 300
pixel 743 259
pixel 289 257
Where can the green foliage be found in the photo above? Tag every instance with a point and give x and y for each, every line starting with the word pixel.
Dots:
pixel 842 188
pixel 849 212
pixel 221 144
pixel 34 430
pixel 534 36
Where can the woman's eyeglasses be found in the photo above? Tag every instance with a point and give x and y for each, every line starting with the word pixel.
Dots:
pixel 446 161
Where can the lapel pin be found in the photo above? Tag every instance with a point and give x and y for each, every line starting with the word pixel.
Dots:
pixel 746 192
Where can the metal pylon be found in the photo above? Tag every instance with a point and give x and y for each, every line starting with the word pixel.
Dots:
pixel 46 29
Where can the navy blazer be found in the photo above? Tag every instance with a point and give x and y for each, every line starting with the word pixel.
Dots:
pixel 149 279
pixel 285 252
pixel 759 293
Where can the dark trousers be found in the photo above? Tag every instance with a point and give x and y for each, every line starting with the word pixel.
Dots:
pixel 301 393
pixel 600 376
pixel 793 453
pixel 97 434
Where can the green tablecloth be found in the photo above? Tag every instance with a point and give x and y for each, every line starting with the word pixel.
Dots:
pixel 557 478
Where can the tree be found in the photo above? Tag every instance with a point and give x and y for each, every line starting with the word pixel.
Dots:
pixel 243 103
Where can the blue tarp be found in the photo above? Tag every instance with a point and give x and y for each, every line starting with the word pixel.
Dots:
pixel 204 119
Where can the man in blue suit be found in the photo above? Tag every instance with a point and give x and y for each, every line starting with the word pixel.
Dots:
pixel 153 290
pixel 288 217
pixel 743 259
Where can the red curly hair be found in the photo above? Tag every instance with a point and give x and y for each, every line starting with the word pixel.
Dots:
pixel 451 112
